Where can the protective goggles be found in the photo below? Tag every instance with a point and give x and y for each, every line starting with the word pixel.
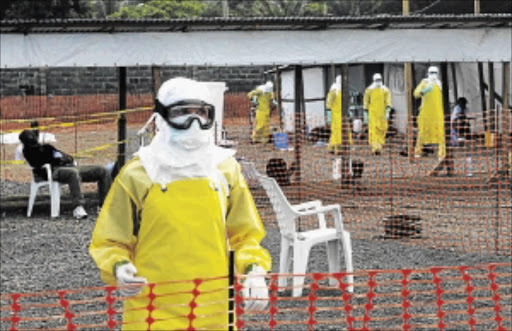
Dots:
pixel 180 115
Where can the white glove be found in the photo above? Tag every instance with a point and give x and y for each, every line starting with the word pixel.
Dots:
pixel 125 275
pixel 255 287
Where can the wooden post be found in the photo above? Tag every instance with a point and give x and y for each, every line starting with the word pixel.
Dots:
pixel 492 101
pixel 298 124
pixel 446 106
pixel 121 123
pixel 406 8
pixel 477 7
pixel 482 94
pixel 345 125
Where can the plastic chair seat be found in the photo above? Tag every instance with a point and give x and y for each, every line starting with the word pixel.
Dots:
pixel 300 243
pixel 318 235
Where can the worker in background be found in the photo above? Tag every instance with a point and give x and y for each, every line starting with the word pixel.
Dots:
pixel 377 103
pixel 262 98
pixel 459 122
pixel 333 102
pixel 172 215
pixel 431 115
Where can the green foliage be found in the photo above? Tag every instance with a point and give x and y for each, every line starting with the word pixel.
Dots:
pixel 45 9
pixel 163 9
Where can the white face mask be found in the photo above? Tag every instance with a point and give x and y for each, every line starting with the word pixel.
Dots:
pixel 432 76
pixel 378 82
pixel 190 139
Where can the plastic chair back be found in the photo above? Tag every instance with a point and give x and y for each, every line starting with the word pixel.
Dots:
pixel 284 212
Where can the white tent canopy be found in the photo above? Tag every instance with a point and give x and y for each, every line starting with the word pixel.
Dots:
pixel 254 47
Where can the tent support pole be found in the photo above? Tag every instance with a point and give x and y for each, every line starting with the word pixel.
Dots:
pixel 121 123
pixel 408 104
pixel 345 126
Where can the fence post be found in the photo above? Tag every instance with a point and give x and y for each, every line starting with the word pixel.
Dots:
pixel 231 300
pixel 121 123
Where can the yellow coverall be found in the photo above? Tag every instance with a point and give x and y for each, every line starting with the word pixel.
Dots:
pixel 182 236
pixel 333 102
pixel 430 119
pixel 261 130
pixel 376 99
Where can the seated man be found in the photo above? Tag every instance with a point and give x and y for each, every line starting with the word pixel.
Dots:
pixel 64 170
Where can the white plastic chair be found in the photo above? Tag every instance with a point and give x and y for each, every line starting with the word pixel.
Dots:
pixel 54 188
pixel 302 242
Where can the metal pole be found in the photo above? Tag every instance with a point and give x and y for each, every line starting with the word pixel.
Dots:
pixel 345 125
pixel 231 294
pixel 506 120
pixel 121 123
pixel 298 125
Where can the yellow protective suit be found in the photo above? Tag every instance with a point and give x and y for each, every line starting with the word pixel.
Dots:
pixel 430 119
pixel 261 129
pixel 333 102
pixel 182 237
pixel 376 99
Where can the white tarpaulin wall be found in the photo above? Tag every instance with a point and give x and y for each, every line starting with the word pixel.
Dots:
pixel 254 47
pixel 313 89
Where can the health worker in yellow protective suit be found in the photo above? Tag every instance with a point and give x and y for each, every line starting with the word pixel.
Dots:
pixel 262 97
pixel 333 102
pixel 377 102
pixel 171 216
pixel 431 116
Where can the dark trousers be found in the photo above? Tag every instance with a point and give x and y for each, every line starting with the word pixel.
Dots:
pixel 74 176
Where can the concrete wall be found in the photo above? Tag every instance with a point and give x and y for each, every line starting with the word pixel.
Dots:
pixel 103 80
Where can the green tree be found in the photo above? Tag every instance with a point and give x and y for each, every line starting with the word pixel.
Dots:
pixel 105 8
pixel 163 9
pixel 44 9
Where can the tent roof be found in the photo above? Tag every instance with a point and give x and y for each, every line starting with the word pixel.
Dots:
pixel 255 41
pixel 379 22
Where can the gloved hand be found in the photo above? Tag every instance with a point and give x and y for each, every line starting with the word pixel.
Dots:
pixel 125 275
pixel 388 112
pixel 255 287
pixel 427 89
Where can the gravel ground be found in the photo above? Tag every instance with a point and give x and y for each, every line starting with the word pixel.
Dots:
pixel 45 254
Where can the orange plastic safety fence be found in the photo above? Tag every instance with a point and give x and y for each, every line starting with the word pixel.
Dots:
pixel 455 297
